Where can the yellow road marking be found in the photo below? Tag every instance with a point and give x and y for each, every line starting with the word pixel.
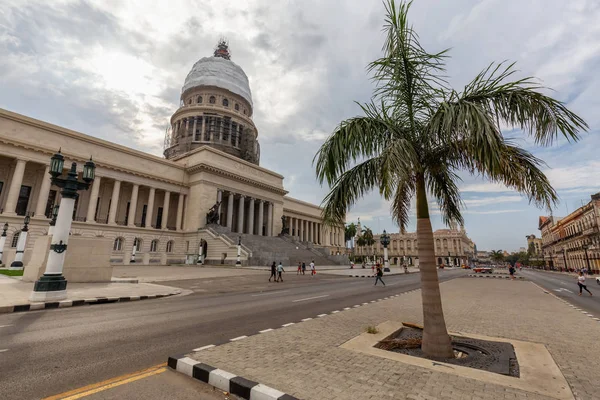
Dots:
pixel 108 384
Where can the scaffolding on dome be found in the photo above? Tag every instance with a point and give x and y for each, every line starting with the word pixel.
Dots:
pixel 222 49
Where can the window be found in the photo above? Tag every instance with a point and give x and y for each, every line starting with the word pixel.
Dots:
pixel 153 245
pixel 159 214
pixel 1 186
pixel 212 100
pixel 190 101
pixel 50 203
pixel 199 99
pixel 170 246
pixel 15 239
pixel 225 103
pixel 144 212
pixel 118 244
pixel 23 201
pixel 237 107
pixel 138 244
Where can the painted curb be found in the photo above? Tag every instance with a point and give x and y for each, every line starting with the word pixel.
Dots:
pixel 74 303
pixel 237 385
pixel 494 276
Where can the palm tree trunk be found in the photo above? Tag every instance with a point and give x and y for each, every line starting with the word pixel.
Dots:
pixel 436 341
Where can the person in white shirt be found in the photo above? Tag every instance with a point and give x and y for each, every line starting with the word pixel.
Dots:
pixel 581 283
pixel 312 269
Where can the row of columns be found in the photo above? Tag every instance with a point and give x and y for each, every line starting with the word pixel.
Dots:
pixel 249 219
pixel 315 232
pixel 17 181
pixel 210 126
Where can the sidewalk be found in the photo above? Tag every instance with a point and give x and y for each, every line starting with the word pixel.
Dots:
pixel 160 273
pixel 305 360
pixel 14 294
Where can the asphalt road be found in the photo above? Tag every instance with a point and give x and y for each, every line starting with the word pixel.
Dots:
pixel 44 353
pixel 565 286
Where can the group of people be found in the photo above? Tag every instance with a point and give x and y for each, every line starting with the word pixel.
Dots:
pixel 277 270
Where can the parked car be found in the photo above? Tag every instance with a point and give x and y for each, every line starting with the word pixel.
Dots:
pixel 483 270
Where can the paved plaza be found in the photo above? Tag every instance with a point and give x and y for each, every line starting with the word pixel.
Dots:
pixel 306 361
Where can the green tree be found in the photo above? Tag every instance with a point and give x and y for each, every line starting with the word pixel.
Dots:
pixel 350 232
pixel 497 255
pixel 417 134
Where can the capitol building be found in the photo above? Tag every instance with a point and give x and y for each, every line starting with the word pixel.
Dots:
pixel 211 165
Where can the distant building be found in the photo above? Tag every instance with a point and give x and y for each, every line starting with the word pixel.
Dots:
pixel 572 241
pixel 535 244
pixel 522 250
pixel 483 256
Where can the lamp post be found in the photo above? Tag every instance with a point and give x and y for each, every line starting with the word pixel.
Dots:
pixel 132 259
pixel 385 241
pixel 53 285
pixel 53 220
pixel 239 250
pixel 201 252
pixel 564 251
pixel 18 263
pixel 3 240
pixel 587 260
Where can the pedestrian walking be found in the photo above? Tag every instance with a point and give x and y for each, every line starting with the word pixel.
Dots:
pixel 273 272
pixel 373 268
pixel 279 272
pixel 299 268
pixel 303 268
pixel 378 275
pixel 511 271
pixel 313 271
pixel 581 283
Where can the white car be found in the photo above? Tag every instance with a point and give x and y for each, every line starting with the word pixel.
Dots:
pixel 598 280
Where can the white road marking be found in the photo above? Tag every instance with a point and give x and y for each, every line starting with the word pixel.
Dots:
pixel 238 338
pixel 562 290
pixel 310 298
pixel 3 350
pixel 306 319
pixel 372 301
pixel 346 308
pixel 321 315
pixel 364 304
pixel 204 347
pixel 4 326
pixel 268 293
pixel 286 325
pixel 336 311
pixel 357 305
pixel 265 330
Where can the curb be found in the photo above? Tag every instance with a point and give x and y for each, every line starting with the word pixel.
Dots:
pixel 567 303
pixel 74 303
pixel 226 381
pixel 494 276
pixel 373 276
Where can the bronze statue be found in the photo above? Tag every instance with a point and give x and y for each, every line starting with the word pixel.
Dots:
pixel 212 217
pixel 284 229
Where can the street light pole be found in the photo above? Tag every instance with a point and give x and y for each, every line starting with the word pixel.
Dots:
pixel 3 240
pixel 201 252
pixel 564 251
pixel 132 259
pixel 18 263
pixel 53 285
pixel 239 250
pixel 385 241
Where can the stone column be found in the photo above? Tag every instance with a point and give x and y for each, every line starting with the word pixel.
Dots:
pixel 203 128
pixel 251 217
pixel 93 203
pixel 195 127
pixel 150 208
pixel 301 230
pixel 318 233
pixel 15 187
pixel 261 211
pixel 44 192
pixel 133 205
pixel 114 203
pixel 219 200
pixel 310 231
pixel 230 211
pixel 270 219
pixel 240 216
pixel 165 215
pixel 179 212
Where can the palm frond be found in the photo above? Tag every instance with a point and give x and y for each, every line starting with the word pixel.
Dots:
pixel 441 183
pixel 405 191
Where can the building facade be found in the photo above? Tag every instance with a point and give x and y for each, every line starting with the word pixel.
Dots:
pixel 452 248
pixel 211 161
pixel 572 242
pixel 535 244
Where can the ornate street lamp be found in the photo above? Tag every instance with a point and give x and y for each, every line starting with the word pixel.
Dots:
pixel 385 241
pixel 3 240
pixel 18 263
pixel 132 259
pixel 587 260
pixel 239 249
pixel 53 285
pixel 53 220
pixel 201 252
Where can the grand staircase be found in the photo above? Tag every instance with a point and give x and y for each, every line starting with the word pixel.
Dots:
pixel 268 249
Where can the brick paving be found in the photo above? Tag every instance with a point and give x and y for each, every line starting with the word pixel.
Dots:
pixel 305 360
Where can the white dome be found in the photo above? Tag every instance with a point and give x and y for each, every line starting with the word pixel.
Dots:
pixel 219 72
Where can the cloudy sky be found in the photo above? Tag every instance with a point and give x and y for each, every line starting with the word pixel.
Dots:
pixel 114 69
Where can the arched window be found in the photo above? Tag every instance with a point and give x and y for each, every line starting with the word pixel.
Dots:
pixel 237 107
pixel 199 99
pixel 190 101
pixel 212 100
pixel 170 246
pixel 225 103
pixel 154 245
pixel 244 111
pixel 138 244
pixel 15 239
pixel 118 244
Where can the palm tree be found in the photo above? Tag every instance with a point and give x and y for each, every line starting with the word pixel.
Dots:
pixel 350 232
pixel 497 255
pixel 418 133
